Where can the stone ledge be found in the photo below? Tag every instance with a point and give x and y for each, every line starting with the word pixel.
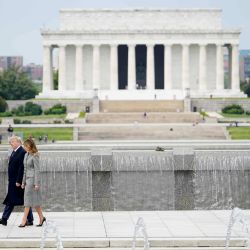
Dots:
pixel 124 242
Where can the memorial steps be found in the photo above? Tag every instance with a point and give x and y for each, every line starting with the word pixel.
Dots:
pixel 152 126
pixel 138 131
pixel 160 117
pixel 155 126
pixel 142 106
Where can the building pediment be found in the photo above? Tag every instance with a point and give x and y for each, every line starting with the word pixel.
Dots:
pixel 140 19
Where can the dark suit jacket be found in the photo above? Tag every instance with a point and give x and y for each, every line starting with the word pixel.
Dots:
pixel 15 174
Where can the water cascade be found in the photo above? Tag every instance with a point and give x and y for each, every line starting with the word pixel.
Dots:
pixel 125 180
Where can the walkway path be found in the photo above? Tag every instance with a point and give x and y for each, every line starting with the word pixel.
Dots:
pixel 115 229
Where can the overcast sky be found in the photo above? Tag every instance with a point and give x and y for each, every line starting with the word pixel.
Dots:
pixel 21 20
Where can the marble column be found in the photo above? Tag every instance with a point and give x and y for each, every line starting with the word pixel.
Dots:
pixel 150 67
pixel 230 61
pixel 113 67
pixel 79 68
pixel 202 67
pixel 62 68
pixel 96 67
pixel 185 66
pixel 47 68
pixel 131 67
pixel 168 67
pixel 219 67
pixel 235 67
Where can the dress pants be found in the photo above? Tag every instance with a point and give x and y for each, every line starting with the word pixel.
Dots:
pixel 9 208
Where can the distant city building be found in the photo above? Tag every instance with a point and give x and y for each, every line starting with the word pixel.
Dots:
pixel 7 61
pixel 35 72
pixel 244 65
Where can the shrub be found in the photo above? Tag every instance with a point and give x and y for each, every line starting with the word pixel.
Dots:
pixel 233 109
pixel 46 111
pixel 19 111
pixel 82 114
pixel 68 121
pixel 27 110
pixel 57 121
pixel 17 121
pixel 203 113
pixel 3 105
pixel 6 114
pixel 26 122
pixel 60 106
pixel 56 110
pixel 32 109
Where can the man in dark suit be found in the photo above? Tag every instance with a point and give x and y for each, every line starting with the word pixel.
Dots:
pixel 15 173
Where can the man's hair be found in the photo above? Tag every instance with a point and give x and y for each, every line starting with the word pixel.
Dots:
pixel 15 138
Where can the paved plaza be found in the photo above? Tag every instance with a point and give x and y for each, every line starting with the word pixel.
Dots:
pixel 115 229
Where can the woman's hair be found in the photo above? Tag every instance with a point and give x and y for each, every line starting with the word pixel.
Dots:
pixel 29 143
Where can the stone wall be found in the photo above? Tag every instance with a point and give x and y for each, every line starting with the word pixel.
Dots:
pixel 218 104
pixel 72 105
pixel 137 106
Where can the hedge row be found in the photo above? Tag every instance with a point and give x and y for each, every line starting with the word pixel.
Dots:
pixel 30 109
pixel 234 109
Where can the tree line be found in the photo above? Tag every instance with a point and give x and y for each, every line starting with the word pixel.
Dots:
pixel 16 85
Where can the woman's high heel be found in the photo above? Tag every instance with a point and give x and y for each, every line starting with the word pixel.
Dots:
pixel 40 225
pixel 22 225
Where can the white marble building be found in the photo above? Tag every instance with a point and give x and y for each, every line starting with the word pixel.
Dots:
pixel 141 54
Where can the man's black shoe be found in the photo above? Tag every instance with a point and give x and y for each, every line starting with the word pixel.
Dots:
pixel 3 222
pixel 29 223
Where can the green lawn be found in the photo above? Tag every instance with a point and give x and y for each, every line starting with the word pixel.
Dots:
pixel 239 133
pixel 222 98
pixel 49 99
pixel 39 117
pixel 59 134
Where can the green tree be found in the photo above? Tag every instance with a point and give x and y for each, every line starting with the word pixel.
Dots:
pixel 16 85
pixel 3 105
pixel 245 87
pixel 55 79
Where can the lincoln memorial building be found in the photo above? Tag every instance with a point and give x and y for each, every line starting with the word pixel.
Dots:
pixel 141 54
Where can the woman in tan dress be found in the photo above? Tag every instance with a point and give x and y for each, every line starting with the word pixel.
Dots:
pixel 31 182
